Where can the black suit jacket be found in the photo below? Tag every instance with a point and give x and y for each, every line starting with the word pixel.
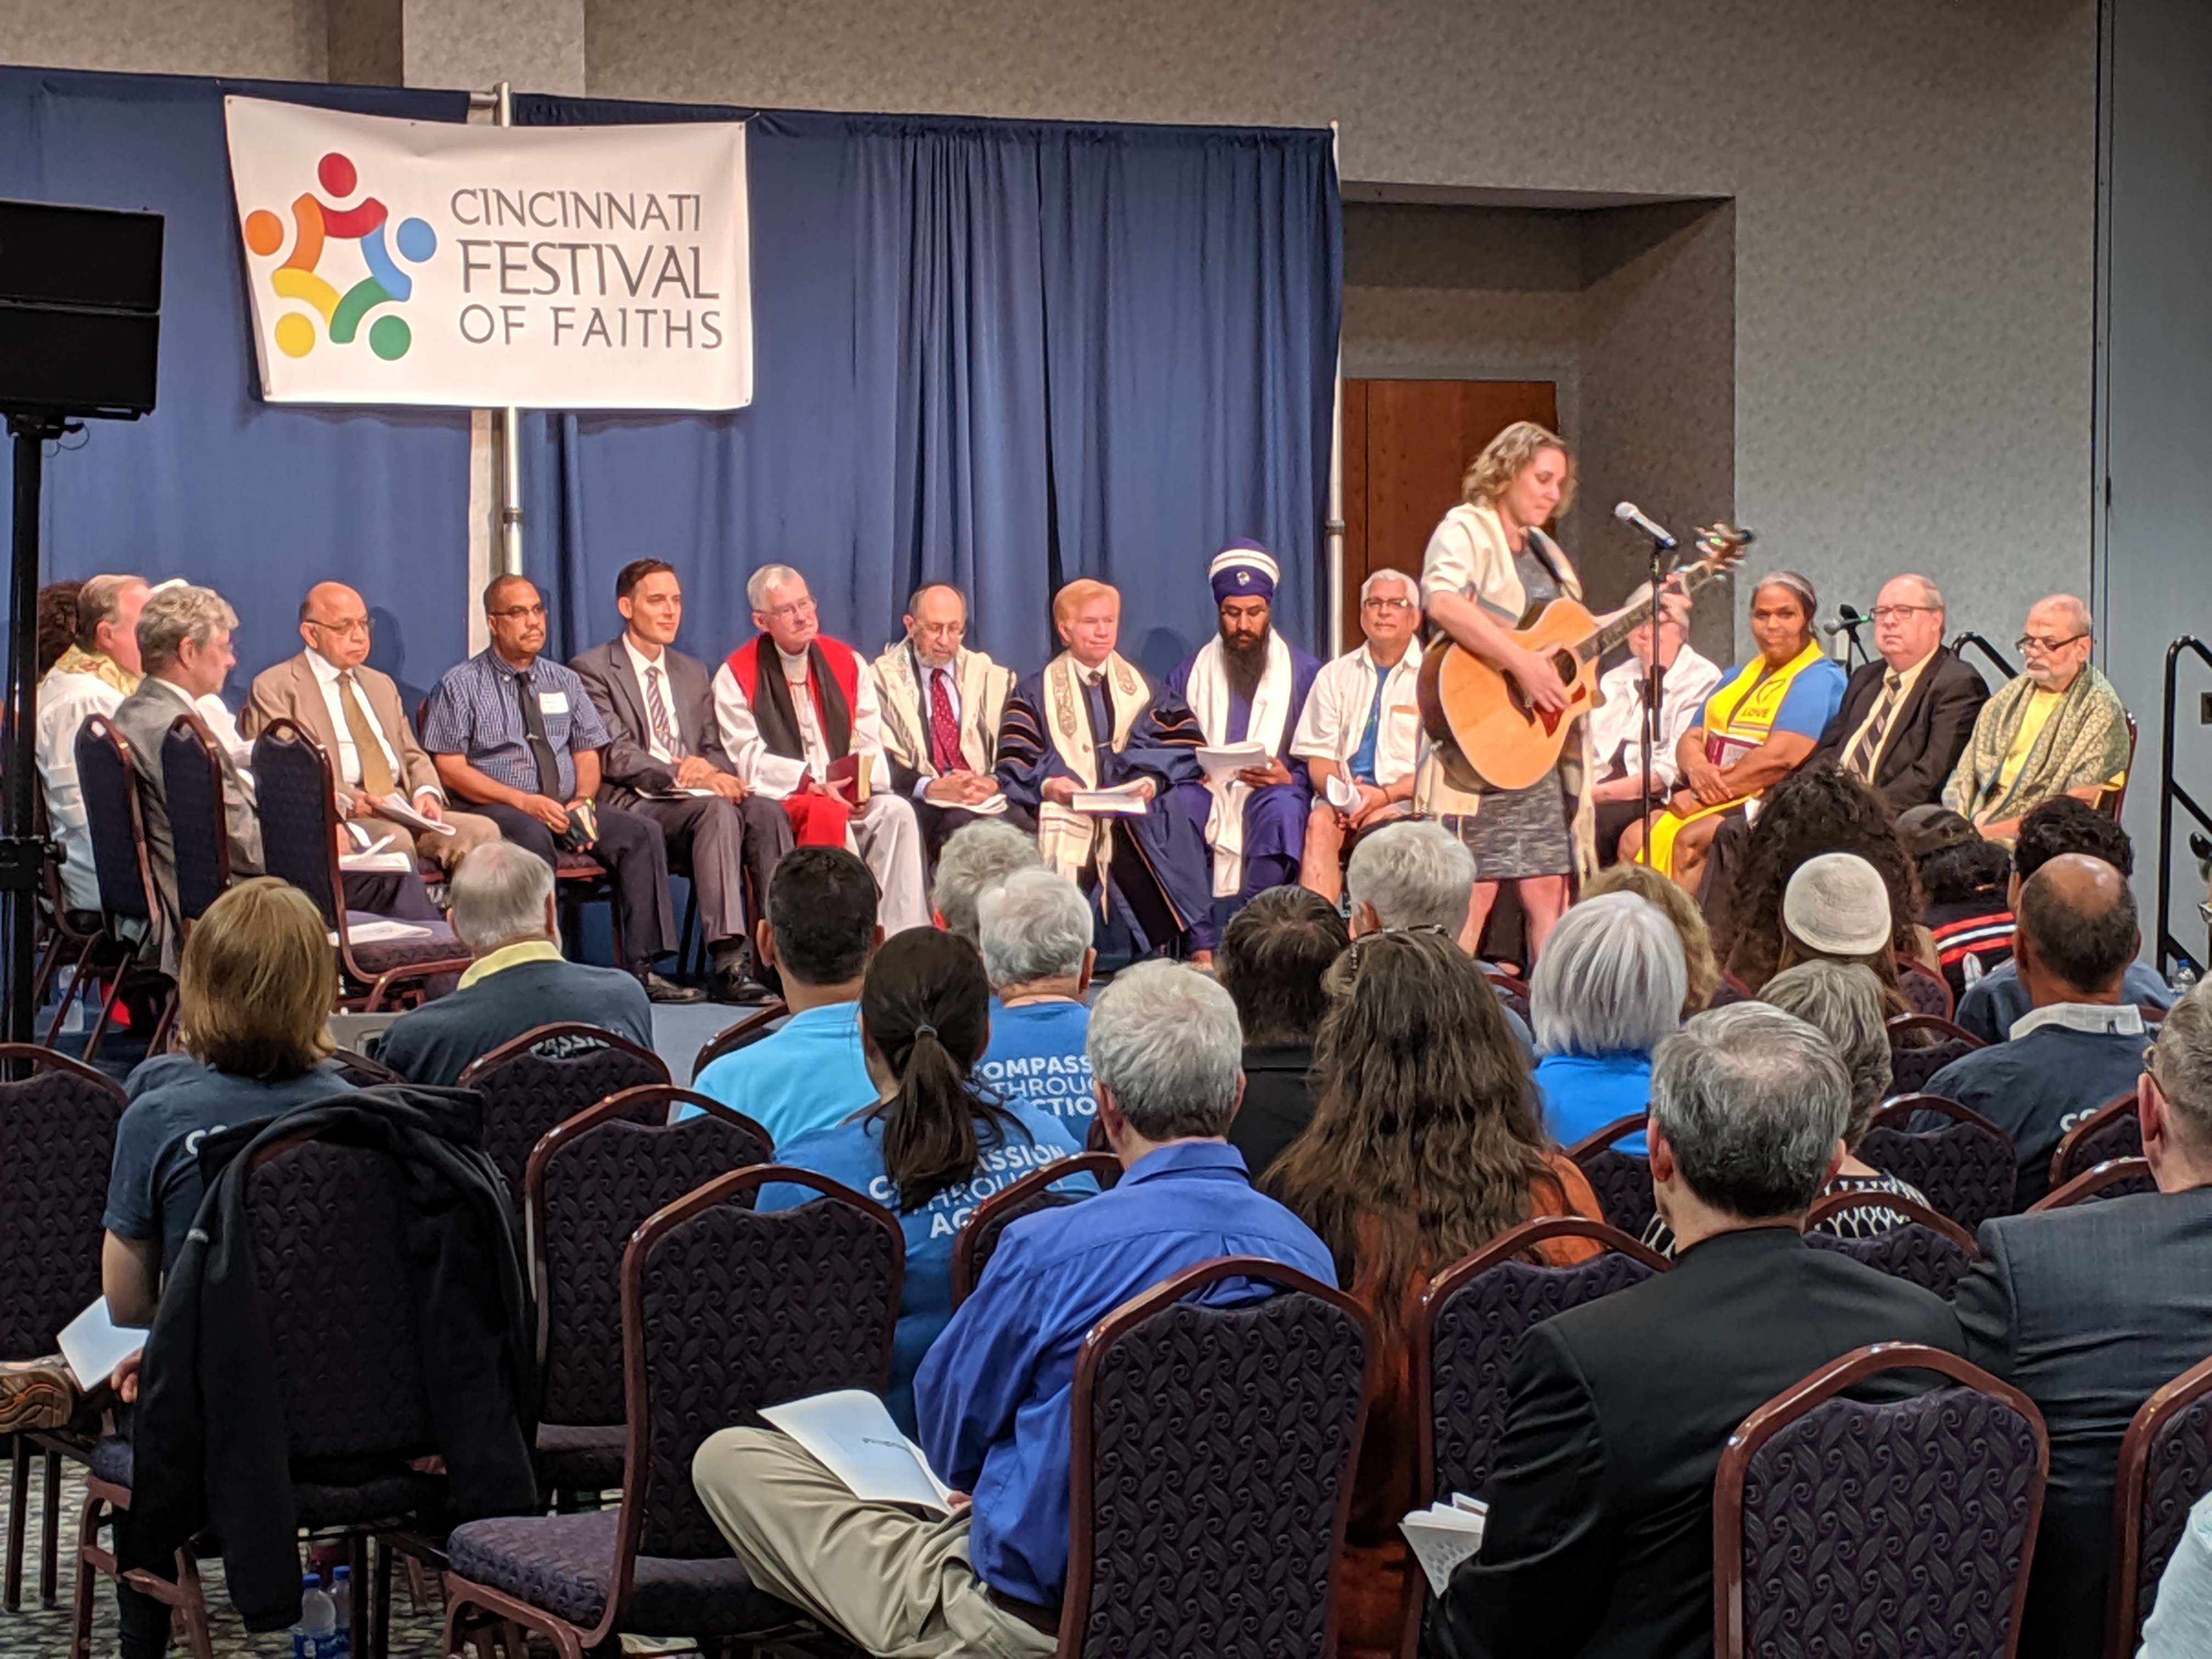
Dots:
pixel 2088 1311
pixel 1600 1541
pixel 1278 1105
pixel 627 768
pixel 1928 733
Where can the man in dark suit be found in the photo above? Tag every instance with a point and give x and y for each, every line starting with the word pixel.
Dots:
pixel 1905 719
pixel 666 761
pixel 1600 1531
pixel 2089 1311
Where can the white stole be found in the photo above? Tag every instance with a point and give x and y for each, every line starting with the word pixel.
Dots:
pixel 1209 696
pixel 1071 842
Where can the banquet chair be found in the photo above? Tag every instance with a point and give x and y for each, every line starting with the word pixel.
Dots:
pixel 1823 1537
pixel 2120 1178
pixel 1250 1416
pixel 1911 1065
pixel 1928 1249
pixel 1928 993
pixel 361 1071
pixel 546 1076
pixel 70 935
pixel 1622 1181
pixel 58 1122
pixel 2165 1465
pixel 1963 1162
pixel 199 826
pixel 589 1181
pixel 980 1233
pixel 761 1022
pixel 725 1309
pixel 127 894
pixel 2113 1130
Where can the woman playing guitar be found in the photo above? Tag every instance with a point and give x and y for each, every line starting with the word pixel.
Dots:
pixel 1759 725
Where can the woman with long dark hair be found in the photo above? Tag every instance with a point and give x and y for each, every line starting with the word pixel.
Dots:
pixel 1426 1144
pixel 934 1145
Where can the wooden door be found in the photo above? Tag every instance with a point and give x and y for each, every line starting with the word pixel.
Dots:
pixel 1407 444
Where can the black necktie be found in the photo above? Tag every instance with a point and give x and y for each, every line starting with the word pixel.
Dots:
pixel 1101 717
pixel 541 746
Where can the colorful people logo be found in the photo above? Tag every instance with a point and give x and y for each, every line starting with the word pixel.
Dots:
pixel 314 222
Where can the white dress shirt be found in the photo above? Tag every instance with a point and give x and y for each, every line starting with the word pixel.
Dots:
pixel 776 776
pixel 349 757
pixel 66 702
pixel 1615 745
pixel 639 663
pixel 1334 719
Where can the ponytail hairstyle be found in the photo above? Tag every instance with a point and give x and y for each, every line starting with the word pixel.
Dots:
pixel 926 1009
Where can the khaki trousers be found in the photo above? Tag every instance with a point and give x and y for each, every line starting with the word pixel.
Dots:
pixel 896 1583
pixel 471 831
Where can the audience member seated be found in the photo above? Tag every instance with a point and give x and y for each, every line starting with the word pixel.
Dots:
pixel 1600 1531
pixel 503 910
pixel 1037 956
pixel 1417 875
pixel 1815 810
pixel 1680 909
pixel 1993 1001
pixel 819 932
pixel 1616 727
pixel 1398 1194
pixel 2180 1622
pixel 1836 908
pixel 92 675
pixel 1274 953
pixel 1609 989
pixel 2082 1044
pixel 993 1396
pixel 1362 725
pixel 57 624
pixel 1758 725
pixel 1967 879
pixel 2086 1310
pixel 933 1146
pixel 976 856
pixel 517 734
pixel 2059 729
pixel 1906 717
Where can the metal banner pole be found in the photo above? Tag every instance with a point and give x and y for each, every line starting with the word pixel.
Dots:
pixel 510 418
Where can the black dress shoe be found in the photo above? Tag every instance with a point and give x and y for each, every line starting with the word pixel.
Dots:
pixel 736 985
pixel 658 989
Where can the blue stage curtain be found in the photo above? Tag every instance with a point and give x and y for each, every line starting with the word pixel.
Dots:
pixel 256 501
pixel 999 353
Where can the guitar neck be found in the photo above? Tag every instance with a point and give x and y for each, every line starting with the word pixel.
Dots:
pixel 1616 631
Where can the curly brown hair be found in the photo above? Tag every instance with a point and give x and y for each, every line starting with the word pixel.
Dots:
pixel 57 623
pixel 1426 1141
pixel 1504 456
pixel 1816 809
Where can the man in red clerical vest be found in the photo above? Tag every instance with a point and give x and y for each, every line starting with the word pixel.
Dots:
pixel 794 704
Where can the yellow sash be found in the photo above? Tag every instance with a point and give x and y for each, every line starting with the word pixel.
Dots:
pixel 1752 701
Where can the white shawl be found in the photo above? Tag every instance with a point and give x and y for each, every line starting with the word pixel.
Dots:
pixel 1209 696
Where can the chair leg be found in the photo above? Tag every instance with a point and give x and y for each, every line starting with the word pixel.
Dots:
pixel 19 1516
pixel 87 1548
pixel 106 1016
pixel 192 1606
pixel 76 992
pixel 50 1533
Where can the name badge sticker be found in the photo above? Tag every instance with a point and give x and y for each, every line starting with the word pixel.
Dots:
pixel 552 702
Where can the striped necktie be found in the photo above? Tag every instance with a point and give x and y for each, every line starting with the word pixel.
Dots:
pixel 656 710
pixel 1860 762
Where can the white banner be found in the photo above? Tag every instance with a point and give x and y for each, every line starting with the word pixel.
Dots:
pixel 477 267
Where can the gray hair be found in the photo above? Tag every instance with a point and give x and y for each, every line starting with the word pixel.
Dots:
pixel 96 602
pixel 2083 621
pixel 498 894
pixel 1930 595
pixel 1391 573
pixel 1164 1039
pixel 768 576
pixel 1413 874
pixel 977 855
pixel 1753 1102
pixel 2181 1065
pixel 174 615
pixel 1844 1001
pixel 1034 925
pixel 1611 979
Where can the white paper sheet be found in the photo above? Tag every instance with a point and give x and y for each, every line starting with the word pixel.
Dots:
pixel 1121 802
pixel 95 1345
pixel 1222 765
pixel 1343 793
pixel 850 1433
pixel 1444 1535
pixel 394 808
pixel 377 933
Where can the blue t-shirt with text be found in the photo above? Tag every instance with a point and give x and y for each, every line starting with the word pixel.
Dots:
pixel 1036 1057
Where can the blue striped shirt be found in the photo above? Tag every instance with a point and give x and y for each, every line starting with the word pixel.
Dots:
pixel 474 712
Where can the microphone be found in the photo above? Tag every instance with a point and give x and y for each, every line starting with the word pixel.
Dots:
pixel 1848 621
pixel 1630 515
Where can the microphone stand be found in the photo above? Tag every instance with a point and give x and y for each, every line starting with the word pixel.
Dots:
pixel 1654 689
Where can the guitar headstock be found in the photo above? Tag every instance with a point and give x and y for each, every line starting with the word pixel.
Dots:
pixel 1720 545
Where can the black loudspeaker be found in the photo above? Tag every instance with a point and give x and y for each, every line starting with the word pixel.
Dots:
pixel 80 310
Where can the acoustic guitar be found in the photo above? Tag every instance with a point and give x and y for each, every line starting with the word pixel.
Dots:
pixel 1477 715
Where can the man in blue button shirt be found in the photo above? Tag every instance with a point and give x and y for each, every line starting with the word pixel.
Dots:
pixel 994 1396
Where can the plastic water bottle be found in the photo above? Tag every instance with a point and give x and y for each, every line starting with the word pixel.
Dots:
pixel 2184 975
pixel 342 1610
pixel 315 1637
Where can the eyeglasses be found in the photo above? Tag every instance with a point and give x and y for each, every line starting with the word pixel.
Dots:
pixel 532 611
pixel 2033 642
pixel 343 629
pixel 1386 605
pixel 1897 612
pixel 789 612
pixel 1351 957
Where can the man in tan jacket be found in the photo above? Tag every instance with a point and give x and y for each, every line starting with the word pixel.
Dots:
pixel 353 712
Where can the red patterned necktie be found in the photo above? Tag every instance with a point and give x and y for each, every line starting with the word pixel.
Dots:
pixel 943 729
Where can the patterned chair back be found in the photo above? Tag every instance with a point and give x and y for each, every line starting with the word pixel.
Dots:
pixel 2120 1178
pixel 2113 1130
pixel 56 1146
pixel 740 1034
pixel 328 1223
pixel 589 1183
pixel 119 831
pixel 1925 993
pixel 1468 1333
pixel 1910 1067
pixel 1967 1168
pixel 192 782
pixel 979 1235
pixel 546 1076
pixel 2165 1465
pixel 1907 1527
pixel 1928 1249
pixel 297 800
pixel 1622 1181
pixel 361 1071
pixel 727 1308
pixel 1250 1413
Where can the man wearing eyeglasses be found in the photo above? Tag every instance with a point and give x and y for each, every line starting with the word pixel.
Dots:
pixel 1360 734
pixel 353 712
pixel 2059 729
pixel 1905 719
pixel 942 703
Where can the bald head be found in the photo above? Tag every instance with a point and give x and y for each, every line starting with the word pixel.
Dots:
pixel 2077 931
pixel 334 621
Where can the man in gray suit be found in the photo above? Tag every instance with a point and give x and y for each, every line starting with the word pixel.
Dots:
pixel 2089 1310
pixel 666 763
